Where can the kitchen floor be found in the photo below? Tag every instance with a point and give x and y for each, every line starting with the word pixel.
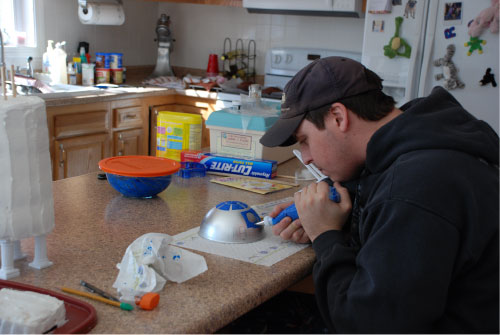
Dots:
pixel 287 313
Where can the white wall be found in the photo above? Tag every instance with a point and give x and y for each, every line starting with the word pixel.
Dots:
pixel 201 29
pixel 135 38
pixel 198 29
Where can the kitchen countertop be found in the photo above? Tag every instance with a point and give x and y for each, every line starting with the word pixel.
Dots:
pixel 102 95
pixel 94 224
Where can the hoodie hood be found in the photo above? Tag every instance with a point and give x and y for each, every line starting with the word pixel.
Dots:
pixel 435 122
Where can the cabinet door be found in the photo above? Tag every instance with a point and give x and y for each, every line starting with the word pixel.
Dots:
pixel 79 155
pixel 128 142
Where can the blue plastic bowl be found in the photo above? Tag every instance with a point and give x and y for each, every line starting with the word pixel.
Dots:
pixel 139 187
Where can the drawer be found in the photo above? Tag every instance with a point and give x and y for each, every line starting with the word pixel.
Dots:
pixel 76 124
pixel 127 117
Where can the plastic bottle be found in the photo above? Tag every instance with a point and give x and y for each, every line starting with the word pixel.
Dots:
pixel 58 66
pixel 47 57
pixel 83 57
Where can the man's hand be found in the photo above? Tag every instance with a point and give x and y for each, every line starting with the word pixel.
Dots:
pixel 287 229
pixel 318 213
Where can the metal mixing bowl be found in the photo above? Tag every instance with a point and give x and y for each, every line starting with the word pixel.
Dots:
pixel 231 222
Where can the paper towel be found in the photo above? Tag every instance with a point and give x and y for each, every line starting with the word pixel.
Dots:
pixel 102 14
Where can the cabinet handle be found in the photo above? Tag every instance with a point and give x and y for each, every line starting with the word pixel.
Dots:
pixel 122 145
pixel 63 154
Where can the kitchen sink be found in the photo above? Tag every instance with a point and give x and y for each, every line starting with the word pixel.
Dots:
pixel 65 90
pixel 31 86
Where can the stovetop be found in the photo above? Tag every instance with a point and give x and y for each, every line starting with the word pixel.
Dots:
pixel 234 94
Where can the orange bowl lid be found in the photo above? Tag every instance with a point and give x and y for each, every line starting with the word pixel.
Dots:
pixel 139 166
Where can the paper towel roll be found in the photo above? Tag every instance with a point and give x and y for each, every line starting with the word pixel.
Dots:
pixel 102 14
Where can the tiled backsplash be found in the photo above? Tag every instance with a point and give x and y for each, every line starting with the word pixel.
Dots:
pixel 200 30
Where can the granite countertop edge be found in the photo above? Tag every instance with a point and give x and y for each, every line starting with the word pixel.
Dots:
pixel 110 95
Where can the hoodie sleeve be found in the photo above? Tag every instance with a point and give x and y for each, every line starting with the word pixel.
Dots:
pixel 397 282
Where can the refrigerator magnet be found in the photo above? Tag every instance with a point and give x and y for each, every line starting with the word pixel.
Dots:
pixel 474 44
pixel 452 13
pixel 450 71
pixel 410 8
pixel 379 7
pixel 449 33
pixel 488 78
pixel 397 46
pixel 378 26
pixel 488 18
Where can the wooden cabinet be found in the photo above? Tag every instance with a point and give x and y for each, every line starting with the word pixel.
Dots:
pixel 79 155
pixel 130 123
pixel 79 137
pixel 83 134
pixel 128 142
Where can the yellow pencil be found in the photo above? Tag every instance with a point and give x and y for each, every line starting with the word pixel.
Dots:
pixel 122 305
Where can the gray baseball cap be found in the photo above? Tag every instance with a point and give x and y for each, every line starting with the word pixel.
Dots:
pixel 316 87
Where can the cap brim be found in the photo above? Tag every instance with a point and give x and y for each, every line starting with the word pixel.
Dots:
pixel 281 133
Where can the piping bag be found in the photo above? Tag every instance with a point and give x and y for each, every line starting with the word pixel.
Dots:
pixel 291 211
pixel 150 261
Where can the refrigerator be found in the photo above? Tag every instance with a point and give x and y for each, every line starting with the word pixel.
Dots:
pixel 409 45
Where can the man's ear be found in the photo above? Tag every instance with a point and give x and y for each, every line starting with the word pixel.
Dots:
pixel 340 116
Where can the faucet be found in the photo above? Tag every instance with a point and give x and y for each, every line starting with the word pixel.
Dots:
pixel 30 68
pixel 28 71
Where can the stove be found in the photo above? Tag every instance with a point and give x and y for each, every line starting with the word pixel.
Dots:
pixel 281 64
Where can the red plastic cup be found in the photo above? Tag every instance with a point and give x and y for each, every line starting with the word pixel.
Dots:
pixel 213 65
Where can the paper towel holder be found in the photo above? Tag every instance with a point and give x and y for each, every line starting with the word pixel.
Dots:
pixel 83 4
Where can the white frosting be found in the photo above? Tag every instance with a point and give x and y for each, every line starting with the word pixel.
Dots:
pixel 26 312
pixel 26 200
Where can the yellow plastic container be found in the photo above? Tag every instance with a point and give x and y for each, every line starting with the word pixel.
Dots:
pixel 175 132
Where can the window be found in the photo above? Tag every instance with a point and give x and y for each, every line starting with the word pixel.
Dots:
pixel 21 22
pixel 17 21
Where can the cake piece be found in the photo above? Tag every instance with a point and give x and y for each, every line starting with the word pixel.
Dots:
pixel 25 170
pixel 27 312
pixel 27 205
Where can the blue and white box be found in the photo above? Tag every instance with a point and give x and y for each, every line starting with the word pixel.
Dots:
pixel 237 135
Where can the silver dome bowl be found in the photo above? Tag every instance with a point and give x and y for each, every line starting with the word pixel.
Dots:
pixel 231 222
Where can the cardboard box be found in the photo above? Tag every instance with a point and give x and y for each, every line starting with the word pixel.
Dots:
pixel 245 167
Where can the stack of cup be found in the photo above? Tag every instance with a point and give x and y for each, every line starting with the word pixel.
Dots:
pixel 213 66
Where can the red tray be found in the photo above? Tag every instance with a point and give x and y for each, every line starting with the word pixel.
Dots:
pixel 81 316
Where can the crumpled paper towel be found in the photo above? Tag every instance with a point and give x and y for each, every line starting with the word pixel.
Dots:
pixel 150 261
